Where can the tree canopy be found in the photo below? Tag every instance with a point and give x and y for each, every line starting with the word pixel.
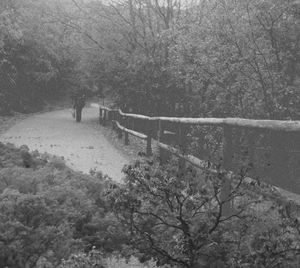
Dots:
pixel 196 57
pixel 199 58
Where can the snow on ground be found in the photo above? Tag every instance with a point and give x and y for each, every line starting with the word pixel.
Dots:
pixel 82 145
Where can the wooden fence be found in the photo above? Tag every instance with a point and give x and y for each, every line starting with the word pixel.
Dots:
pixel 271 148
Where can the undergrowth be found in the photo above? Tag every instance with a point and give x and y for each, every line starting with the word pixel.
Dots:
pixel 52 216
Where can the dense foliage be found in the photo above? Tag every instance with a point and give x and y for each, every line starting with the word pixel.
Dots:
pixel 36 61
pixel 178 218
pixel 48 211
pixel 195 57
pixel 199 58
pixel 52 216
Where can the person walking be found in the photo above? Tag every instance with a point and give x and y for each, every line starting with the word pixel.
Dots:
pixel 79 103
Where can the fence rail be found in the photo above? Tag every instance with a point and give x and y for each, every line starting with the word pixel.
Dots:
pixel 272 146
pixel 276 125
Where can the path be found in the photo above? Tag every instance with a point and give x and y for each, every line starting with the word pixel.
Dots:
pixel 81 144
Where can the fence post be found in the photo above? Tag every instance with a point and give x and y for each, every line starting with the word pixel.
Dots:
pixel 108 116
pixel 228 155
pixel 120 122
pixel 181 136
pixel 294 151
pixel 100 115
pixel 149 138
pixel 279 160
pixel 113 115
pixel 251 153
pixel 163 155
pixel 104 118
pixel 133 123
pixel 126 136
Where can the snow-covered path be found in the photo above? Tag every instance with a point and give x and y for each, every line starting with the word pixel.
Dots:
pixel 82 145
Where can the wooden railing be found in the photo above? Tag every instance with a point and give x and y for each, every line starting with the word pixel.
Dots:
pixel 272 146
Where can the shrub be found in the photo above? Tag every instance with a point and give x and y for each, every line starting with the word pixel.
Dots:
pixel 177 218
pixel 47 209
pixel 91 260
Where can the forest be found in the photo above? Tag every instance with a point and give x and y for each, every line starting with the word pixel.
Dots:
pixel 192 58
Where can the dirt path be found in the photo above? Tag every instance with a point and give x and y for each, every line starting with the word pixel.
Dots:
pixel 82 145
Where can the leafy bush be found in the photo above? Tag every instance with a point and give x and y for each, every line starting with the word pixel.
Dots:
pixel 91 260
pixel 177 218
pixel 52 216
pixel 48 211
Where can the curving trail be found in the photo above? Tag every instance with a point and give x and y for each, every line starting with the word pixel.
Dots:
pixel 82 145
